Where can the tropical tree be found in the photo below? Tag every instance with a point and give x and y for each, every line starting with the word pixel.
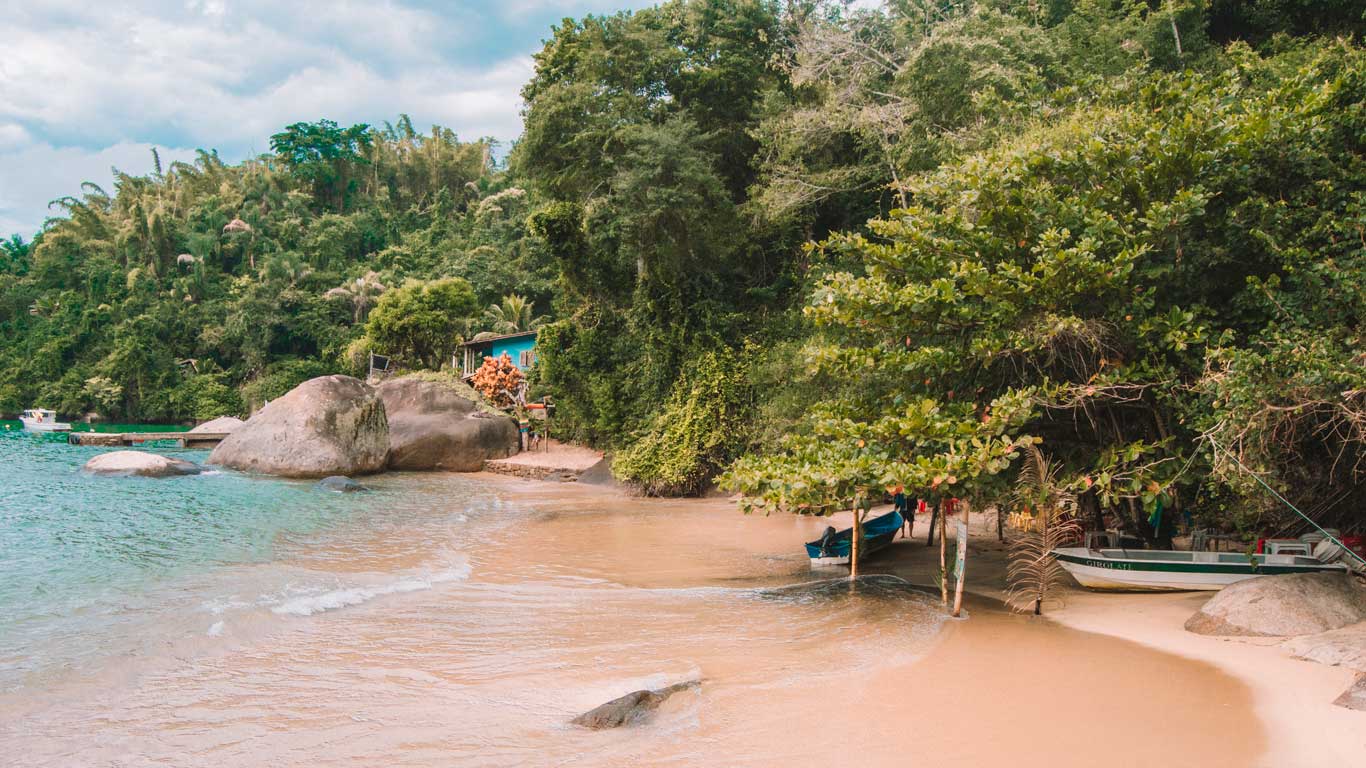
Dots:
pixel 421 323
pixel 513 315
pixel 361 294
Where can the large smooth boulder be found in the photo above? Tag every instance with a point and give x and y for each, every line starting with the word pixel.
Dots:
pixel 221 424
pixel 140 464
pixel 1282 606
pixel 331 425
pixel 434 425
pixel 631 708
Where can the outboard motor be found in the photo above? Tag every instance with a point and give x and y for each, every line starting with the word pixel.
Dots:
pixel 828 540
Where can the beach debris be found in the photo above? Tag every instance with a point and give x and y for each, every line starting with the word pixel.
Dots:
pixel 331 425
pixel 341 484
pixel 631 708
pixel 1282 606
pixel 432 425
pixel 139 464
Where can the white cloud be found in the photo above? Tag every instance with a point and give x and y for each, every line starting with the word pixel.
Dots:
pixel 37 174
pixel 85 86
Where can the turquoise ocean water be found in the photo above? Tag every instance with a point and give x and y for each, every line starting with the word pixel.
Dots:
pixel 94 567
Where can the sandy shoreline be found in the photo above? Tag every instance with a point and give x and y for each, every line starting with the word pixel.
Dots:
pixel 1292 699
pixel 474 616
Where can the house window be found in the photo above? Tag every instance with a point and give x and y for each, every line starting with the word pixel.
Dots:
pixel 526 358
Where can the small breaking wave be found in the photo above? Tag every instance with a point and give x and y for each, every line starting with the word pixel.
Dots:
pixel 307 605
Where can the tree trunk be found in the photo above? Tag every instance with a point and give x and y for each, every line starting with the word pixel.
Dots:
pixel 934 520
pixel 960 563
pixel 943 554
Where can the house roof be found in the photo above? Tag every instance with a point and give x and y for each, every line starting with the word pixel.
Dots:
pixel 501 337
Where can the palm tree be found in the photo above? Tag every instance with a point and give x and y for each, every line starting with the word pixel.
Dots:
pixel 514 315
pixel 362 292
pixel 1033 570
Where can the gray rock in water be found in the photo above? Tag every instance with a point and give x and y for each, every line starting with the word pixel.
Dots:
pixel 433 425
pixel 341 484
pixel 220 424
pixel 331 425
pixel 1282 606
pixel 139 464
pixel 631 708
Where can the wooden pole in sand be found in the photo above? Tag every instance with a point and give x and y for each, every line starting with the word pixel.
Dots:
pixel 943 554
pixel 960 564
pixel 854 537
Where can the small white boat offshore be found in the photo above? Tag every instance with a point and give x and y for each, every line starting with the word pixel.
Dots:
pixel 43 420
pixel 1159 570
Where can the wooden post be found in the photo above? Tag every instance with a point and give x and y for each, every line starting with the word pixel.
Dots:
pixel 961 564
pixel 943 554
pixel 855 535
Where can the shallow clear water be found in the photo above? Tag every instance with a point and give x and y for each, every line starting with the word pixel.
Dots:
pixel 80 556
pixel 228 620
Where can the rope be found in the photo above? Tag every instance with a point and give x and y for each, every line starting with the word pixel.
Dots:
pixel 1283 500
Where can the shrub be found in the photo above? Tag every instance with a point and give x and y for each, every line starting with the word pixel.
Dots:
pixel 697 432
pixel 499 380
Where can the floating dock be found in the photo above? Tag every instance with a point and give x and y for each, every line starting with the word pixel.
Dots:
pixel 186 439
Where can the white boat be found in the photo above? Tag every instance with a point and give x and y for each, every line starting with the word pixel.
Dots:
pixel 1160 570
pixel 43 420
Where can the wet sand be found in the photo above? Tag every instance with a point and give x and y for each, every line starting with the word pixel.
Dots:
pixel 570 596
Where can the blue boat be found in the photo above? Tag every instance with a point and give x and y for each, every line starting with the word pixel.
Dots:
pixel 833 547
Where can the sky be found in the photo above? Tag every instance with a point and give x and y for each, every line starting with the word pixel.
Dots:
pixel 86 86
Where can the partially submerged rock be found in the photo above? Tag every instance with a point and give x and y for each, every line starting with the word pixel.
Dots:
pixel 221 424
pixel 631 708
pixel 433 425
pixel 1282 606
pixel 331 425
pixel 340 484
pixel 139 464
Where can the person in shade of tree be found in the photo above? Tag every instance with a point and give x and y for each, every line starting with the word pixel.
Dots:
pixel 899 504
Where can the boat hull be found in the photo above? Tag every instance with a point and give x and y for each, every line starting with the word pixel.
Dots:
pixel 1094 570
pixel 32 425
pixel 877 534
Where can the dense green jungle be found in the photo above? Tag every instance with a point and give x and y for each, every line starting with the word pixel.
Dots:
pixel 802 249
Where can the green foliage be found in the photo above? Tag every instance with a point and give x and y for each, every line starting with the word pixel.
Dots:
pixel 230 270
pixel 698 431
pixel 204 397
pixel 421 324
pixel 276 380
pixel 1169 264
pixel 324 155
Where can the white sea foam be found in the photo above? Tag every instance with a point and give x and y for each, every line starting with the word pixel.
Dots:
pixel 307 605
pixel 216 629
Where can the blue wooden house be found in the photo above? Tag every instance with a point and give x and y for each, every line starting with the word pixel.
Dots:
pixel 521 347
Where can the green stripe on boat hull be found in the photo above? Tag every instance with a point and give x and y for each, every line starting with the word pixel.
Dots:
pixel 1096 571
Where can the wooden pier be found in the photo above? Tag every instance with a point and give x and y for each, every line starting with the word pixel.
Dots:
pixel 186 439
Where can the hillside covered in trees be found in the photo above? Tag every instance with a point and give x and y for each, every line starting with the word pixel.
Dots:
pixel 854 247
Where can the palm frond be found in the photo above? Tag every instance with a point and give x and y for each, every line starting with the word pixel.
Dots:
pixel 1033 571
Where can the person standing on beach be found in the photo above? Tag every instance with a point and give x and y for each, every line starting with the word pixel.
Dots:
pixel 899 505
pixel 523 429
